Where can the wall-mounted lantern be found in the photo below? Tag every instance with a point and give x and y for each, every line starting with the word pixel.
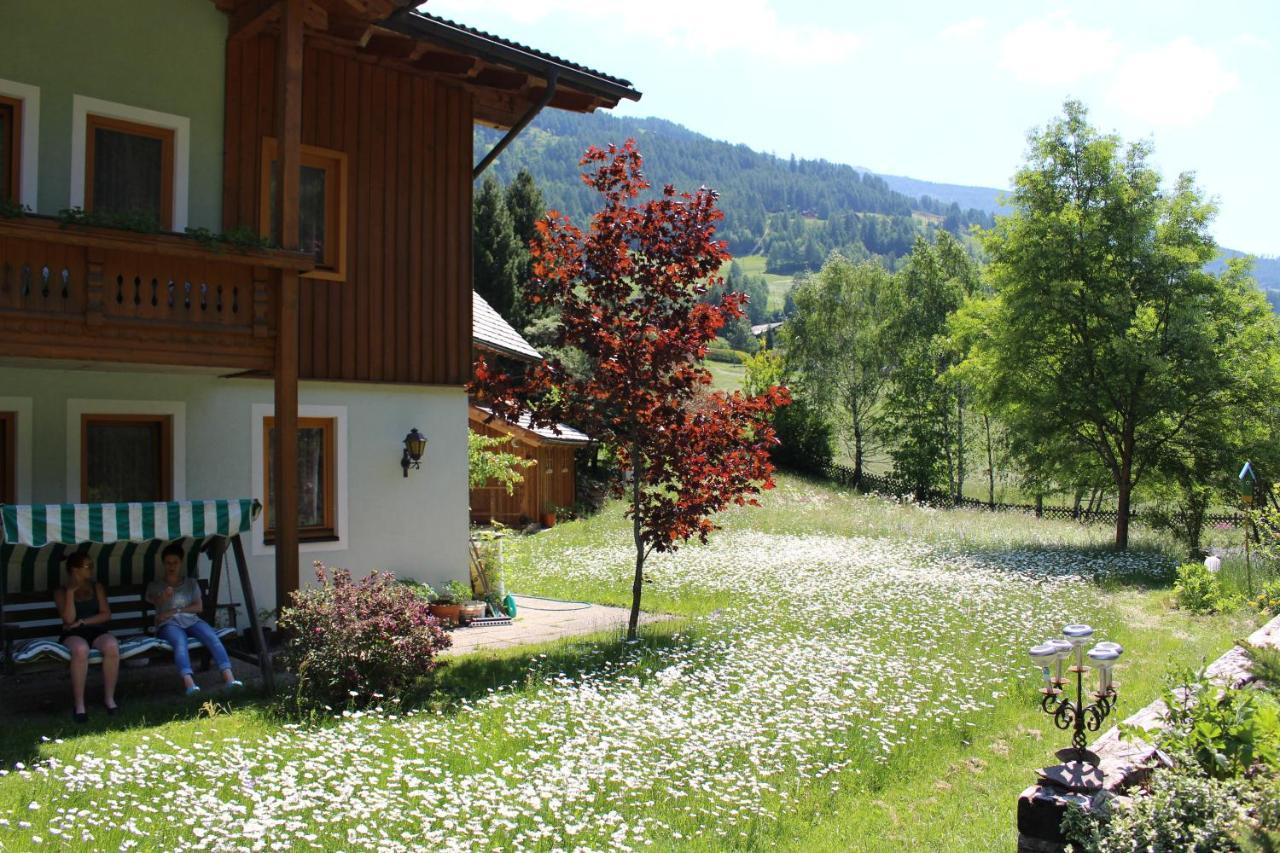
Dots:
pixel 415 445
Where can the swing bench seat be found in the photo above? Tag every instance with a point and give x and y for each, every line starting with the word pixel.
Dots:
pixel 31 628
pixel 123 541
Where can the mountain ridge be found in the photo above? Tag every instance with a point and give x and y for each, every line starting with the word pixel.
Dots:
pixel 792 210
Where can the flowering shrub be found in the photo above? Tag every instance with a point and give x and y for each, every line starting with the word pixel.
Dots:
pixel 351 642
pixel 1268 600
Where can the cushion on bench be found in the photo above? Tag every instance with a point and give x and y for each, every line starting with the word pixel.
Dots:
pixel 30 651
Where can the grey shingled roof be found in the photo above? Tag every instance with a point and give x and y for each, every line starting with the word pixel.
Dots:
pixel 762 328
pixel 490 331
pixel 566 435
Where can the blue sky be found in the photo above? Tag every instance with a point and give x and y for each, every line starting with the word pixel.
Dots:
pixel 943 91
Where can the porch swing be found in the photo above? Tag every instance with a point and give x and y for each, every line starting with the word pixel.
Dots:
pixel 124 541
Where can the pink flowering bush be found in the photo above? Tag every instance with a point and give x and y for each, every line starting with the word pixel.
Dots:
pixel 352 643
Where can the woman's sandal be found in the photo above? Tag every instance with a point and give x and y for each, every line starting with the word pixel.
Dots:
pixel 80 716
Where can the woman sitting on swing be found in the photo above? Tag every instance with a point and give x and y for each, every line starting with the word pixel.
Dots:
pixel 82 604
pixel 178 602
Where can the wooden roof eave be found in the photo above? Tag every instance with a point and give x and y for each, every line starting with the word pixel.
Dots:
pixel 499 350
pixel 525 434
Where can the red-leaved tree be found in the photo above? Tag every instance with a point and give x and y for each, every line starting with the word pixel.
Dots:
pixel 627 295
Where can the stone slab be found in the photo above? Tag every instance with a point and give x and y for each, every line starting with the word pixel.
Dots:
pixel 542 621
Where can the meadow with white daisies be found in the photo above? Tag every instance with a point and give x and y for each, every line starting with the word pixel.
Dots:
pixel 847 673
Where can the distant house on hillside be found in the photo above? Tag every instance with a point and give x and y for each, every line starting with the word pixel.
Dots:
pixel 552 481
pixel 762 329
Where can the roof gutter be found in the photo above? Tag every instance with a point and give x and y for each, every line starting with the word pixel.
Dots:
pixel 417 25
pixel 530 114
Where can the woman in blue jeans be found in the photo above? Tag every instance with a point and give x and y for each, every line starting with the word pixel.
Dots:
pixel 178 602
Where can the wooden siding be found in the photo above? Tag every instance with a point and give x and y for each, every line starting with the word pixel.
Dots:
pixel 403 312
pixel 552 482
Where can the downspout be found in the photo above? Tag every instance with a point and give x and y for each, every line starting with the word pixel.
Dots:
pixel 515 130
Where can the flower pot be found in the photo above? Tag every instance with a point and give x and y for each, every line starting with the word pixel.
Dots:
pixel 548 519
pixel 471 610
pixel 446 613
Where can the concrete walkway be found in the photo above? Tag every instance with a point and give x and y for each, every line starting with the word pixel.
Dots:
pixel 540 621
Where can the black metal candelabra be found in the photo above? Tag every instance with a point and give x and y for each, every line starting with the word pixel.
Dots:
pixel 1085 712
pixel 1075 715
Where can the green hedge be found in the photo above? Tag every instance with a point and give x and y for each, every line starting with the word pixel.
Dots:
pixel 728 356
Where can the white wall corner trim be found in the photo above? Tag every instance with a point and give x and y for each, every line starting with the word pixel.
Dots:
pixel 29 145
pixel 174 409
pixel 260 412
pixel 24 409
pixel 82 106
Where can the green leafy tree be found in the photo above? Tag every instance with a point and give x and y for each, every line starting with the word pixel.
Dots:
pixel 925 407
pixel 488 463
pixel 833 341
pixel 497 256
pixel 802 428
pixel 1105 336
pixel 756 288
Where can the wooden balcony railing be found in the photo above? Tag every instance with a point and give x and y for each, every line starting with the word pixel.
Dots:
pixel 99 294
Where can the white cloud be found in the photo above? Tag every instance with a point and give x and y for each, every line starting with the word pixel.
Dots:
pixel 1056 50
pixel 705 26
pixel 963 30
pixel 1174 85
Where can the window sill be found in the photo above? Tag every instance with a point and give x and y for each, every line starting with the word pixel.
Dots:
pixel 305 537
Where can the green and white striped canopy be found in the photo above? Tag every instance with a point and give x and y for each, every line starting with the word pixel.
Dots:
pixel 37 525
pixel 124 541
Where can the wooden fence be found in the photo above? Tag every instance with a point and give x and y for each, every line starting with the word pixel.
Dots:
pixel 884 485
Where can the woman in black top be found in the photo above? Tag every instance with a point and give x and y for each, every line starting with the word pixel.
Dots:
pixel 82 604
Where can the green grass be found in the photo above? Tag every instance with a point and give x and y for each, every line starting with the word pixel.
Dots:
pixel 778 284
pixel 725 376
pixel 844 673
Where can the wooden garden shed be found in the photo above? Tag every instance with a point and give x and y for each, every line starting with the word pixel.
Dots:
pixel 552 481
pixel 549 483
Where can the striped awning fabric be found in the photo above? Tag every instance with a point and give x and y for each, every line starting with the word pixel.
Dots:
pixel 37 525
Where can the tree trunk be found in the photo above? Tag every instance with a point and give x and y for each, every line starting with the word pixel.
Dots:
pixel 637 585
pixel 1122 514
pixel 1124 486
pixel 991 463
pixel 857 453
pixel 960 470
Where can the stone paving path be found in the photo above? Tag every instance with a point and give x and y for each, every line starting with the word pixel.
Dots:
pixel 539 620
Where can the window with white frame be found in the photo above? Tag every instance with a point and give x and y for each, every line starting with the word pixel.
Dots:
pixel 19 137
pixel 130 162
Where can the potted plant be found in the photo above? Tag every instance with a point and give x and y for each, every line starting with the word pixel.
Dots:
pixel 446 606
pixel 468 607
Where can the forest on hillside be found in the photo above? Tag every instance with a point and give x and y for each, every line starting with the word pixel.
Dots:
pixel 793 211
